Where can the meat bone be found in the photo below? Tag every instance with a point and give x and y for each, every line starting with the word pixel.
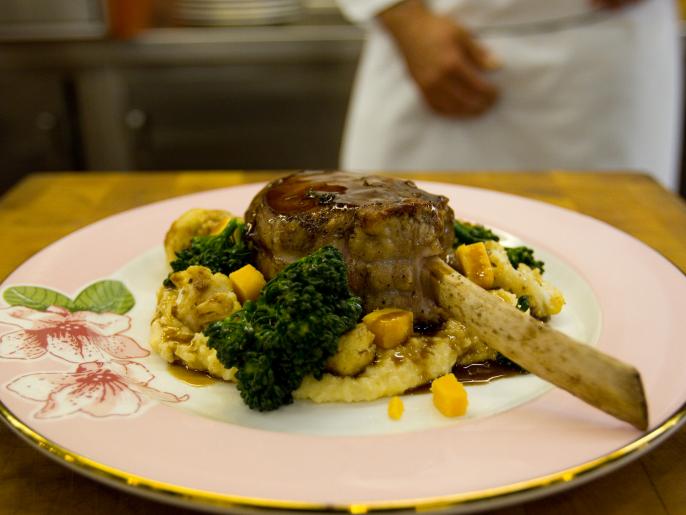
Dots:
pixel 594 377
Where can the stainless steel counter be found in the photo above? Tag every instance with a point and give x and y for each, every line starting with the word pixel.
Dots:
pixel 321 34
pixel 248 97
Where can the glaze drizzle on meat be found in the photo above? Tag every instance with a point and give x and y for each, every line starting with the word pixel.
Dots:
pixel 385 228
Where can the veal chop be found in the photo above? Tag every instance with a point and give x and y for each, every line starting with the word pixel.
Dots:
pixel 386 228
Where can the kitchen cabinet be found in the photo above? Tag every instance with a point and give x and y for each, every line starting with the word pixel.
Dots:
pixel 247 116
pixel 243 98
pixel 37 126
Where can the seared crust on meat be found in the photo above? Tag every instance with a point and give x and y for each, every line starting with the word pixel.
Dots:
pixel 385 228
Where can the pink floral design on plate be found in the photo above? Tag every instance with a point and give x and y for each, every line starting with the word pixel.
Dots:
pixel 77 337
pixel 97 388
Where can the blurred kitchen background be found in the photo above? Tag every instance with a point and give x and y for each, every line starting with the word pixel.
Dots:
pixel 173 84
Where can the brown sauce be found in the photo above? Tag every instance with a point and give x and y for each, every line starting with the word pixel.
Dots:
pixel 484 372
pixel 191 377
pixel 305 191
pixel 293 197
pixel 427 327
pixel 473 374
pixel 419 390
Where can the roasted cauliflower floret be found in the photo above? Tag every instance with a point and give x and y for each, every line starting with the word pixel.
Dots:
pixel 194 222
pixel 505 295
pixel 544 298
pixel 197 355
pixel 199 297
pixel 356 350
pixel 202 297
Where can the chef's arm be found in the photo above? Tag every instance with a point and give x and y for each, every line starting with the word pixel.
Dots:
pixel 361 11
pixel 447 63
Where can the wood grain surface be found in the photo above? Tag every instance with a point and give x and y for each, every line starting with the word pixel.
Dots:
pixel 45 207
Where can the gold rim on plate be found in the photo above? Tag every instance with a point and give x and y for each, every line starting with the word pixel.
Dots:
pixel 507 494
pixel 170 492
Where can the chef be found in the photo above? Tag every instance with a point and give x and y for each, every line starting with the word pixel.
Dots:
pixel 516 85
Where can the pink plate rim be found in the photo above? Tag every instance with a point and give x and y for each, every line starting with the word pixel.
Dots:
pixel 541 447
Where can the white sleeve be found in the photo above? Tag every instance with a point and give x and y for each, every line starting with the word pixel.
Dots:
pixel 361 11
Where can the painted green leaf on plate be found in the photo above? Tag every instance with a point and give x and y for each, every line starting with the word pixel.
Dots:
pixel 105 296
pixel 36 297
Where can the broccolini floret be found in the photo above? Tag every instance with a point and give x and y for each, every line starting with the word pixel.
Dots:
pixel 524 255
pixel 467 233
pixel 290 331
pixel 523 303
pixel 223 252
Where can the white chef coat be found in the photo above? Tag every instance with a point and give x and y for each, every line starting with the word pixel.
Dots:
pixel 580 90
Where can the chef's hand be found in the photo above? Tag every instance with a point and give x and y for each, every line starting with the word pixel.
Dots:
pixel 443 58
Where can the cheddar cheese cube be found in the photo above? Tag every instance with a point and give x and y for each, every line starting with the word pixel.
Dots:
pixel 449 396
pixel 247 283
pixel 391 326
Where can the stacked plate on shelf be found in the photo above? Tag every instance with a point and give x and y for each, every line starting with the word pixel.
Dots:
pixel 236 12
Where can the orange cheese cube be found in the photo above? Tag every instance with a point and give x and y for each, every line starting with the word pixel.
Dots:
pixel 476 264
pixel 247 283
pixel 449 396
pixel 395 408
pixel 391 326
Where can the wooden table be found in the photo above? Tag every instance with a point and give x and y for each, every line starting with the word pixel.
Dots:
pixel 45 207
